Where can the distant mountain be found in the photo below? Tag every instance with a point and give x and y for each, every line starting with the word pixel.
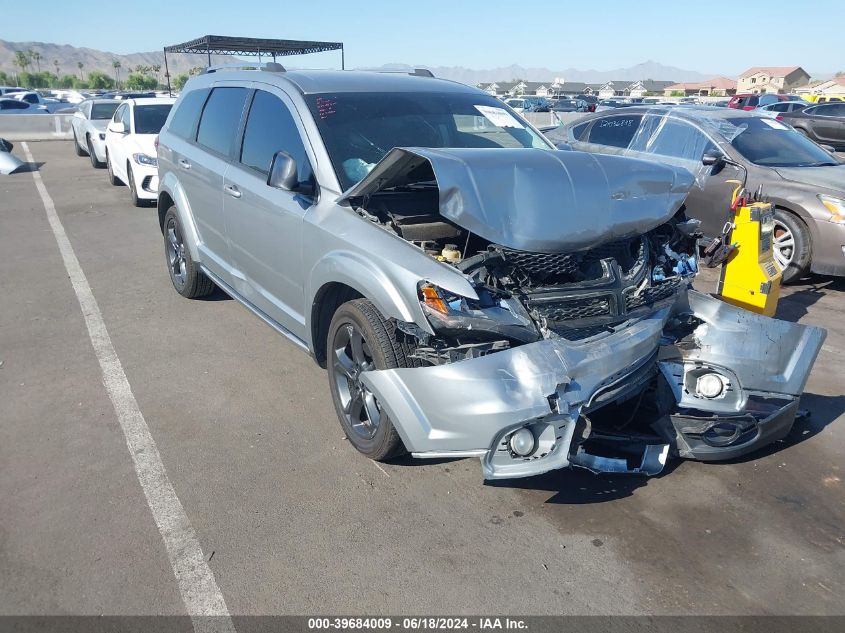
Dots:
pixel 69 56
pixel 645 70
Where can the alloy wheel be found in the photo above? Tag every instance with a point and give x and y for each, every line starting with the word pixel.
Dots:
pixel 175 246
pixel 351 357
pixel 783 245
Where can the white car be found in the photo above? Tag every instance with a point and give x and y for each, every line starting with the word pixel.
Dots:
pixel 71 96
pixel 89 128
pixel 130 145
pixel 35 99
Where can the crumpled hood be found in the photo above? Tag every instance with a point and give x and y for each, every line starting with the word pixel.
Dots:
pixel 831 177
pixel 538 200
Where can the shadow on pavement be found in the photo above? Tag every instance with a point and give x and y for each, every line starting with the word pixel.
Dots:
pixel 794 306
pixel 26 168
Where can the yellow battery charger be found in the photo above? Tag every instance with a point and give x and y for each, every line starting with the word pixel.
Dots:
pixel 750 278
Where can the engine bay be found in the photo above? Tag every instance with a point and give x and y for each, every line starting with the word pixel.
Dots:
pixel 523 296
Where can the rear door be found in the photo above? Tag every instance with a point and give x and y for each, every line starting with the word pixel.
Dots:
pixel 202 167
pixel 264 224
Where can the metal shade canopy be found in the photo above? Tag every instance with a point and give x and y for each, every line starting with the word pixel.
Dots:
pixel 249 47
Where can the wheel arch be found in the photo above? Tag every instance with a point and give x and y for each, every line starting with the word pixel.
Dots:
pixel 170 193
pixel 341 277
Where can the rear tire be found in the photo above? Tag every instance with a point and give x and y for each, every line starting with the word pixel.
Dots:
pixel 792 246
pixel 188 280
pixel 360 339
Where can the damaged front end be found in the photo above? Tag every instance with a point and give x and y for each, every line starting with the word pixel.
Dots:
pixel 584 344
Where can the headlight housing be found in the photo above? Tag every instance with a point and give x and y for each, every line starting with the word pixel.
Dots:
pixel 489 317
pixel 145 159
pixel 836 206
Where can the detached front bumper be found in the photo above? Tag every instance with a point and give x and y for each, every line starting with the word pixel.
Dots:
pixel 472 407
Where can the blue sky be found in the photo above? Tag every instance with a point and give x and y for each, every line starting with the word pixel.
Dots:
pixel 603 35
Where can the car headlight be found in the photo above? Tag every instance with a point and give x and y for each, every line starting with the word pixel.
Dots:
pixel 489 316
pixel 145 159
pixel 102 136
pixel 836 206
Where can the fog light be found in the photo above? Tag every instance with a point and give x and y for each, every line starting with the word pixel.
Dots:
pixel 709 386
pixel 522 442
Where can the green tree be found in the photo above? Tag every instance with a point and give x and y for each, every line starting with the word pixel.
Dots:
pixel 79 65
pixel 137 81
pixel 179 81
pixel 100 81
pixel 22 62
pixel 4 78
pixel 68 81
pixel 157 69
pixel 116 65
pixel 677 93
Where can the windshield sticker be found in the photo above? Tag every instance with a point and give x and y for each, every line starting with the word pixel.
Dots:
pixel 499 116
pixel 775 124
pixel 326 107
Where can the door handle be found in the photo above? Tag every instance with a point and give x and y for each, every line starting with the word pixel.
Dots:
pixel 184 164
pixel 232 190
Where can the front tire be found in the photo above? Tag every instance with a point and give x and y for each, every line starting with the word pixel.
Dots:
pixel 188 280
pixel 360 339
pixel 792 246
pixel 133 190
pixel 114 180
pixel 76 147
pixel 95 162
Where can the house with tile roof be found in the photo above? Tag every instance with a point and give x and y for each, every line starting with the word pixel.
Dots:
pixel 774 79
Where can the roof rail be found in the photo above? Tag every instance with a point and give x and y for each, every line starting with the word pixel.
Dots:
pixel 272 67
pixel 416 72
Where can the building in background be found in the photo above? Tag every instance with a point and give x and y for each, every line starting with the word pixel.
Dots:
pixel 824 88
pixel 715 87
pixel 777 80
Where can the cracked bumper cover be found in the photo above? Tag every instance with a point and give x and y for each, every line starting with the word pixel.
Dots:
pixel 469 408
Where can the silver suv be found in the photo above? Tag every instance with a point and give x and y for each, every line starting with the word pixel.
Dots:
pixel 470 290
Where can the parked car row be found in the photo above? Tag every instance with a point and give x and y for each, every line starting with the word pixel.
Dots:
pixel 120 135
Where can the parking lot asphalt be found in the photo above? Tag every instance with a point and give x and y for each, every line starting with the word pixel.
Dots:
pixel 292 520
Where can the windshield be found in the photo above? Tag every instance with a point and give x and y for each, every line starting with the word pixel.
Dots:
pixel 149 119
pixel 358 129
pixel 769 142
pixel 103 110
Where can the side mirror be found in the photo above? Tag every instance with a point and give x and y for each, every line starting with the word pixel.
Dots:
pixel 117 127
pixel 283 173
pixel 713 157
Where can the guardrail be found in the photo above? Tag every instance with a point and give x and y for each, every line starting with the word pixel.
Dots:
pixel 35 127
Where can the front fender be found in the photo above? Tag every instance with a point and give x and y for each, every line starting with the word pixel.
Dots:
pixel 375 284
pixel 170 185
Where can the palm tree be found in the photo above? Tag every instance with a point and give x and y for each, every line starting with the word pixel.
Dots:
pixel 36 57
pixel 56 65
pixel 116 65
pixel 22 62
pixel 157 70
pixel 79 65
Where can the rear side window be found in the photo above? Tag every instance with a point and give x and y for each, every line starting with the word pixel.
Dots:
pixel 615 131
pixel 187 115
pixel 221 118
pixel 579 130
pixel 676 139
pixel 831 109
pixel 270 128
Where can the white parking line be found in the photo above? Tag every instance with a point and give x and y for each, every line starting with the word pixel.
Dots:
pixel 200 593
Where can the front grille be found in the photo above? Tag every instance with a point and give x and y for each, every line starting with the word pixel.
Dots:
pixel 576 308
pixel 653 294
pixel 542 266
